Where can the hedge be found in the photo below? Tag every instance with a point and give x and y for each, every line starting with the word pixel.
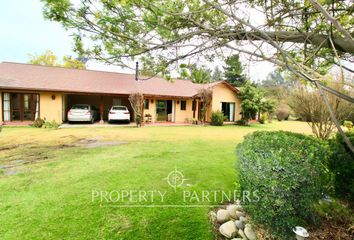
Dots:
pixel 286 171
pixel 341 164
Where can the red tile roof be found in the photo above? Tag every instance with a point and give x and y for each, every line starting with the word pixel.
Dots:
pixel 44 78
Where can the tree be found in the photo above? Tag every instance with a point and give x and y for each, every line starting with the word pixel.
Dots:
pixel 217 74
pixel 307 103
pixel 233 71
pixel 205 95
pixel 48 58
pixel 251 98
pixel 303 37
pixel 137 102
pixel 195 74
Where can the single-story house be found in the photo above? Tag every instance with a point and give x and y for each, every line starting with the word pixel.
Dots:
pixel 30 91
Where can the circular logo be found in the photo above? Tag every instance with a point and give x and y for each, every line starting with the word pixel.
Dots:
pixel 175 179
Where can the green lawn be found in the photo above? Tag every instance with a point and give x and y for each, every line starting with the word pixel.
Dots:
pixel 50 196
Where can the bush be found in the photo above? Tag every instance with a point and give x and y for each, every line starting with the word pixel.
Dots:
pixel 217 118
pixel 341 164
pixel 282 112
pixel 242 122
pixel 51 124
pixel 262 119
pixel 38 123
pixel 285 170
pixel 348 125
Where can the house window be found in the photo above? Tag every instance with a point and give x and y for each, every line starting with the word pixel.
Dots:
pixel 228 108
pixel 146 104
pixel 183 105
pixel 20 106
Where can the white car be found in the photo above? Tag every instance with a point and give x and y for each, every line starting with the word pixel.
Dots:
pixel 83 113
pixel 119 113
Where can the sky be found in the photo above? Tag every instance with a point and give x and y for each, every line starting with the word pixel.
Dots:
pixel 24 31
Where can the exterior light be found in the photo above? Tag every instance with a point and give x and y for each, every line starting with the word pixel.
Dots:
pixel 53 97
pixel 301 233
pixel 152 100
pixel 177 102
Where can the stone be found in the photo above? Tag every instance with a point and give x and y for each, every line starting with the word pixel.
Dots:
pixel 236 239
pixel 228 229
pixel 242 234
pixel 212 216
pixel 243 219
pixel 239 207
pixel 240 214
pixel 239 224
pixel 250 234
pixel 222 216
pixel 232 210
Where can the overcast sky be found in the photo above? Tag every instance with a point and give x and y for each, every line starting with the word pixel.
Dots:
pixel 24 31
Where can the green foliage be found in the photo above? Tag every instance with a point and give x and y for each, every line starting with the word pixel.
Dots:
pixel 253 101
pixel 195 74
pixel 341 164
pixel 285 170
pixel 242 122
pixel 51 124
pixel 334 210
pixel 262 119
pixel 348 125
pixel 119 31
pixel 217 118
pixel 38 123
pixel 233 71
pixel 50 59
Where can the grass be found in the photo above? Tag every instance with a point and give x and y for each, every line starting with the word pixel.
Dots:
pixel 51 195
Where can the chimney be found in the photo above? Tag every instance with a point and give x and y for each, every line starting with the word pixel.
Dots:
pixel 137 71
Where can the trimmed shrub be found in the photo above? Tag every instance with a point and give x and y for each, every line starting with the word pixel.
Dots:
pixel 38 123
pixel 341 164
pixel 217 118
pixel 285 170
pixel 282 112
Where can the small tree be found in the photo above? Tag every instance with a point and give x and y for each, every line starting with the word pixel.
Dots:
pixel 251 98
pixel 205 95
pixel 137 102
pixel 308 104
pixel 267 106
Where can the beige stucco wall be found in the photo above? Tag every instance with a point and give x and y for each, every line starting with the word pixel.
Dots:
pixel 152 109
pixel 222 93
pixel 183 115
pixel 1 110
pixel 51 109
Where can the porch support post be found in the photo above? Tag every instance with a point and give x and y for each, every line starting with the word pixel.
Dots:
pixel 101 110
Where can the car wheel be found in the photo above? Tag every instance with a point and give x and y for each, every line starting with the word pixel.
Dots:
pixel 92 120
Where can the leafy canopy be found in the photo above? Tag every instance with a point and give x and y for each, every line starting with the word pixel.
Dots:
pixel 50 59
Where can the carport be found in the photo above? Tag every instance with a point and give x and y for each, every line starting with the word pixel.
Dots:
pixel 101 102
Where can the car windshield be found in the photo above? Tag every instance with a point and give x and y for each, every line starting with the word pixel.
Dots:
pixel 119 108
pixel 81 107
